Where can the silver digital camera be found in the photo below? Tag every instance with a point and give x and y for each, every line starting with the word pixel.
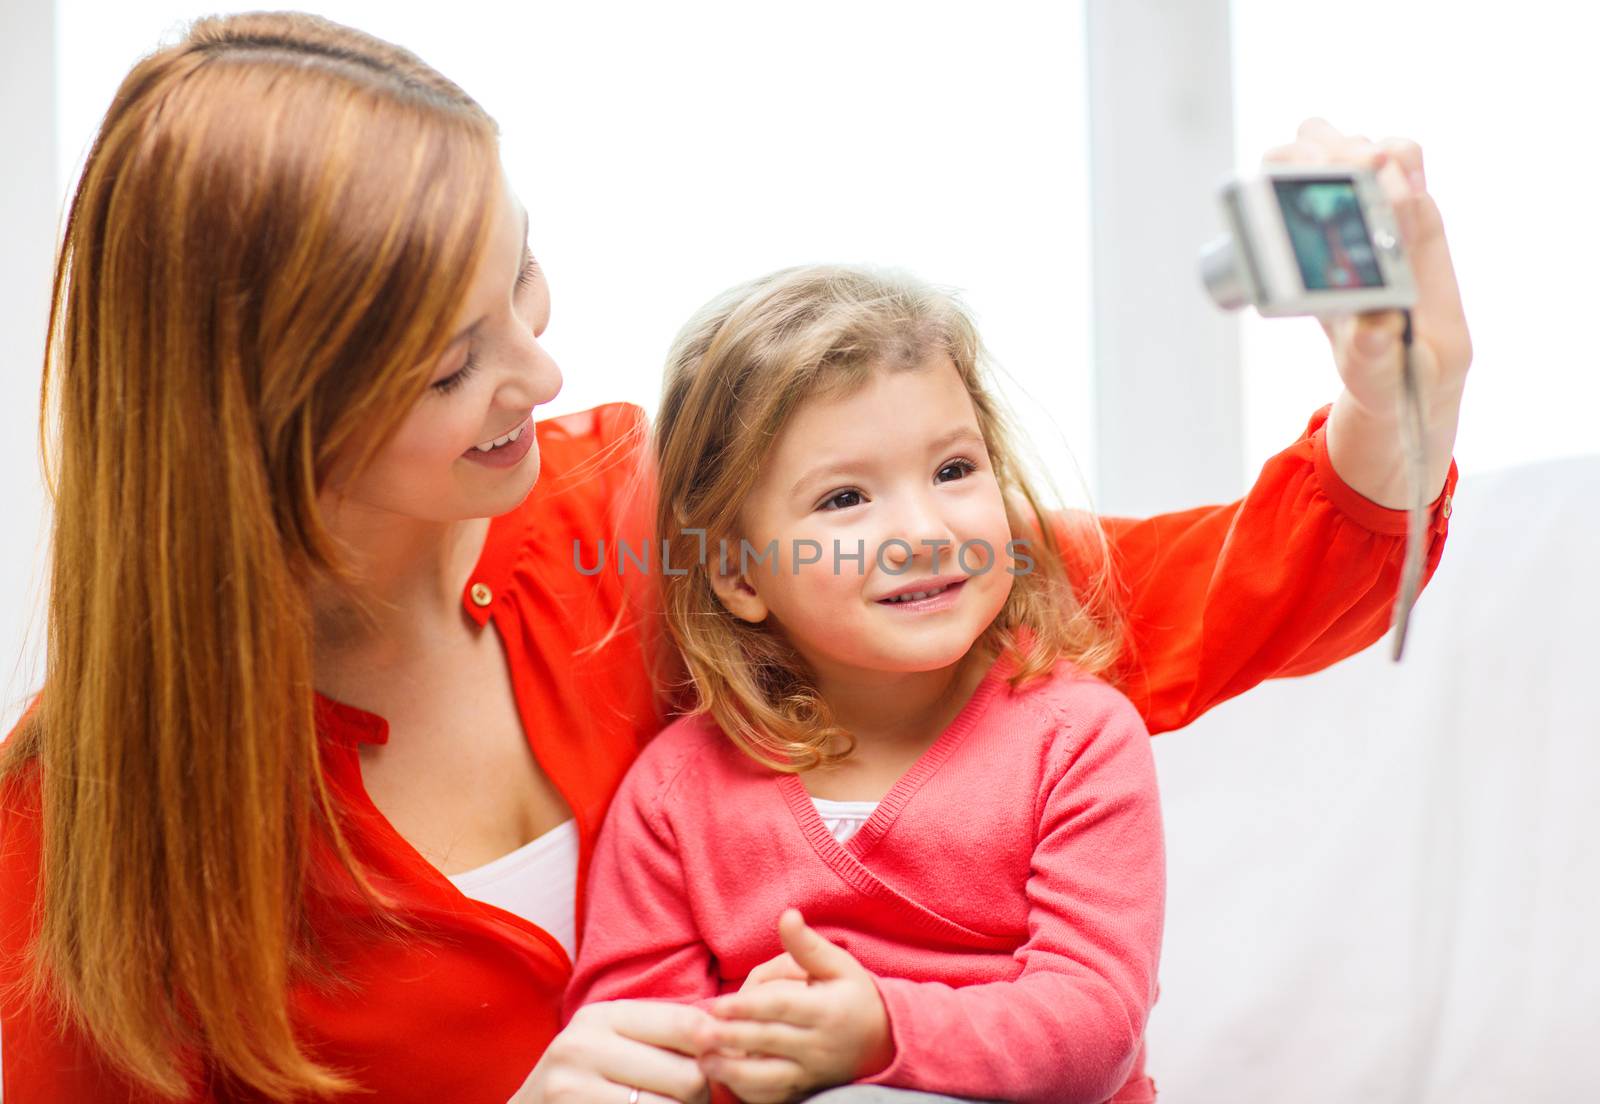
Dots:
pixel 1319 240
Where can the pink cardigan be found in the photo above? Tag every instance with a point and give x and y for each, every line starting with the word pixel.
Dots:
pixel 1007 893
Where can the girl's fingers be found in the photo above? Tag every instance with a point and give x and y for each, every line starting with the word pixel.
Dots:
pixel 815 954
pixel 769 1039
pixel 757 1080
pixel 781 968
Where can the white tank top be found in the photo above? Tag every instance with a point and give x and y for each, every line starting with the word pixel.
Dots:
pixel 843 818
pixel 538 882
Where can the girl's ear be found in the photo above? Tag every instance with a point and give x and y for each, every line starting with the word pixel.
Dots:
pixel 732 585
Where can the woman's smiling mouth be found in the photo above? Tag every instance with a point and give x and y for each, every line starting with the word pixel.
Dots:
pixel 505 450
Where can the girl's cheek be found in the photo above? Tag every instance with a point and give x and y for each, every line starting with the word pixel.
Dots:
pixel 824 583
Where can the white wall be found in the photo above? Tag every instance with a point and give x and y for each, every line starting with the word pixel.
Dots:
pixel 30 202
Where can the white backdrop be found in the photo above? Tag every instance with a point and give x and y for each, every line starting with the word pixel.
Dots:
pixel 1384 884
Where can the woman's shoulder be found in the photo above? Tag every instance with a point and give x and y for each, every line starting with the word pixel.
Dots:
pixel 20 768
pixel 595 494
pixel 21 838
pixel 588 431
pixel 591 450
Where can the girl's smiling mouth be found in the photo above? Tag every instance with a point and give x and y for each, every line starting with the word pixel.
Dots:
pixel 928 595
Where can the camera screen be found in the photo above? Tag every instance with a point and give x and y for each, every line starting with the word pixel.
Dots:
pixel 1328 233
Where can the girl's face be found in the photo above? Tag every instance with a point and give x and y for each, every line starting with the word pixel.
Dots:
pixel 899 471
pixel 484 389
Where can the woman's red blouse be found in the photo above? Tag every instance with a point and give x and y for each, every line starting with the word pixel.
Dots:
pixel 1297 575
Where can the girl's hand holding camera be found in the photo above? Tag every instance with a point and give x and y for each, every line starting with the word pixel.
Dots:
pixel 806 1020
pixel 1363 439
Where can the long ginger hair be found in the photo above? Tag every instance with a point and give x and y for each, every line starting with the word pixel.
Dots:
pixel 737 374
pixel 274 229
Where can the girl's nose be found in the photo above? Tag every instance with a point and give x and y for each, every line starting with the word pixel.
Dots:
pixel 924 529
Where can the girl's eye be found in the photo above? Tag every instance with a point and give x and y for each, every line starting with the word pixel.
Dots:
pixel 456 378
pixel 962 468
pixel 853 498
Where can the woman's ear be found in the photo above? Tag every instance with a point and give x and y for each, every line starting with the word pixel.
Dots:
pixel 732 585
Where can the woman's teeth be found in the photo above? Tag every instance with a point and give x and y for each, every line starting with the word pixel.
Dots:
pixel 499 441
pixel 914 595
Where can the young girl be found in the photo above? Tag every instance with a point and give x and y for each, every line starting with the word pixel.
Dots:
pixel 899 731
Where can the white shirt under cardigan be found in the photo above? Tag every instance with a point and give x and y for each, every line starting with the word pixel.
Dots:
pixel 844 818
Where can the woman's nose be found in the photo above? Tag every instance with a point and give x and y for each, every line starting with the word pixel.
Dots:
pixel 538 378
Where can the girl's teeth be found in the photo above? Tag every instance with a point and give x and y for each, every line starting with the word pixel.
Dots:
pixel 916 594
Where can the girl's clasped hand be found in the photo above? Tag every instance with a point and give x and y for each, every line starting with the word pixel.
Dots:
pixel 802 1021
pixel 806 1019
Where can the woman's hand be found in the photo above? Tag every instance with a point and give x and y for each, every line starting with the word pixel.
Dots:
pixel 780 1038
pixel 613 1047
pixel 1364 427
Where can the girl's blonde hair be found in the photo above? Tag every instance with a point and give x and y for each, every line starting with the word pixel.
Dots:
pixel 737 374
pixel 275 227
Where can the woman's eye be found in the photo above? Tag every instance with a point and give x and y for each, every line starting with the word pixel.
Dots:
pixel 456 378
pixel 961 468
pixel 530 271
pixel 842 500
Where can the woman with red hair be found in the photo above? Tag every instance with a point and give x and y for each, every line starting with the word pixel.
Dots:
pixel 319 654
